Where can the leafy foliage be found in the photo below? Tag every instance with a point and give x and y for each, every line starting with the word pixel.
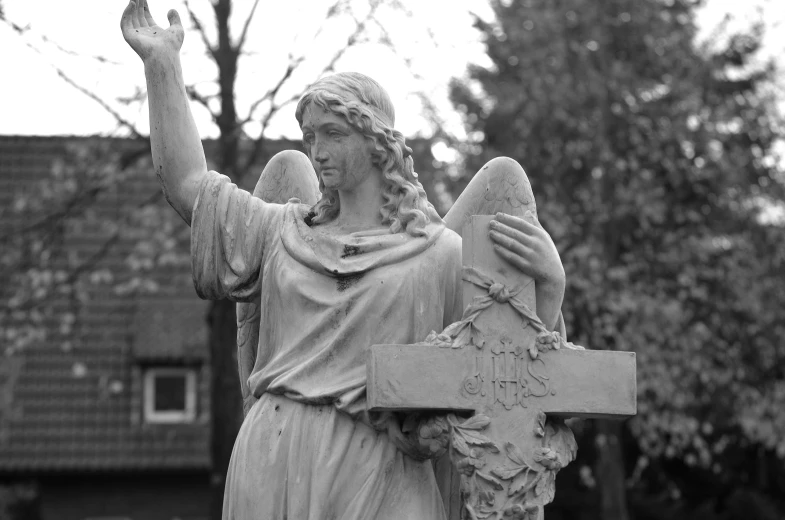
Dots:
pixel 653 161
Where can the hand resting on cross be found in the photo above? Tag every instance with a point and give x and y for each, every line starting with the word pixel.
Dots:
pixel 526 245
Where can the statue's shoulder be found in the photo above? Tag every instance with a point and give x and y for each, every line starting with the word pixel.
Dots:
pixel 450 238
pixel 448 245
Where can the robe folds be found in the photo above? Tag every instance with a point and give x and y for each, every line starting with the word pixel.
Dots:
pixel 308 449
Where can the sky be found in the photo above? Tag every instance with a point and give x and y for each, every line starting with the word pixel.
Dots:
pixel 432 45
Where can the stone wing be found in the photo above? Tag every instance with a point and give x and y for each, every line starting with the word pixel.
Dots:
pixel 500 186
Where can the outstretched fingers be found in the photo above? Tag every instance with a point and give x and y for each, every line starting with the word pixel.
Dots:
pixel 127 20
pixel 148 18
pixel 139 15
pixel 174 19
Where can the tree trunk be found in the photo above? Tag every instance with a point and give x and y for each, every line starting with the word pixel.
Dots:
pixel 609 470
pixel 226 401
pixel 226 397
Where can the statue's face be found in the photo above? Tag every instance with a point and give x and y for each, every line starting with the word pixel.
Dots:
pixel 340 154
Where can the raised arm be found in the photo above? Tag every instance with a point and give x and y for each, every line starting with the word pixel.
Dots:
pixel 178 156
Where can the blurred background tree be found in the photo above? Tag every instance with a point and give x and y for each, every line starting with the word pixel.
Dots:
pixel 653 160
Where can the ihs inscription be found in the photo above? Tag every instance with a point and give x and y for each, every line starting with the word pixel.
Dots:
pixel 508 374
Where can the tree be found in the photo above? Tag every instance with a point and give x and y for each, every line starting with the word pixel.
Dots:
pixel 653 160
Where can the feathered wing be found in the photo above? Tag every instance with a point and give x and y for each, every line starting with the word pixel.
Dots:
pixel 500 186
pixel 287 175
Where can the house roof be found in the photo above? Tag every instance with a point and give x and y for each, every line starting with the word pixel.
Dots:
pixel 165 330
pixel 73 401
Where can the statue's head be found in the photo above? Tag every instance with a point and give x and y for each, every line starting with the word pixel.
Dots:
pixel 367 107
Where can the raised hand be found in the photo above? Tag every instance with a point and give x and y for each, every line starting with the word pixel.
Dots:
pixel 147 38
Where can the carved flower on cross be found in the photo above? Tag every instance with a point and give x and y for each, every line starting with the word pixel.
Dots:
pixel 438 339
pixel 547 340
pixel 429 433
pixel 467 443
pixel 521 512
pixel 547 457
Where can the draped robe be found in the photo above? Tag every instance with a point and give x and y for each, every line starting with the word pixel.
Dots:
pixel 308 449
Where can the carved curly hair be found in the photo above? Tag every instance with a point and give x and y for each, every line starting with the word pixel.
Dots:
pixel 368 109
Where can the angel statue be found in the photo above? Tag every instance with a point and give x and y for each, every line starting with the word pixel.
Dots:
pixel 335 250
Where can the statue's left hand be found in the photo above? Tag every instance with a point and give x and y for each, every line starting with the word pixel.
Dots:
pixel 526 245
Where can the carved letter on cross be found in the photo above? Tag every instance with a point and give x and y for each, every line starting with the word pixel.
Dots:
pixel 500 366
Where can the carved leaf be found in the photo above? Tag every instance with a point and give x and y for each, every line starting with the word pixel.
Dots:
pixel 491 479
pixel 561 439
pixel 460 445
pixel 475 422
pixel 520 483
pixel 464 336
pixel 545 489
pixel 506 472
pixel 477 439
pixel 541 419
pixel 515 454
pixel 542 482
pixel 474 515
pixel 440 340
pixel 452 329
pixel 477 463
pixel 477 337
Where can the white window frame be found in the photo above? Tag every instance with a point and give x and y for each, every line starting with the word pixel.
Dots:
pixel 151 415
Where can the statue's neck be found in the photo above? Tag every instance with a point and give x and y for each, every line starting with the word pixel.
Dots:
pixel 360 207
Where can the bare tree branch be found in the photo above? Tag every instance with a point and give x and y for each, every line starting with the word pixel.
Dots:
pixel 120 119
pixel 94 258
pixel 82 200
pixel 244 33
pixel 258 144
pixel 96 57
pixel 26 29
pixel 201 30
pixel 60 72
pixel 270 95
pixel 336 9
pixel 353 38
pixel 138 96
pixel 202 100
pixel 431 112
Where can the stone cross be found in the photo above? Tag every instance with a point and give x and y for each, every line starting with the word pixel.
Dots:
pixel 504 383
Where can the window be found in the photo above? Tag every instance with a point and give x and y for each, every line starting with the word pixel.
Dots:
pixel 169 395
